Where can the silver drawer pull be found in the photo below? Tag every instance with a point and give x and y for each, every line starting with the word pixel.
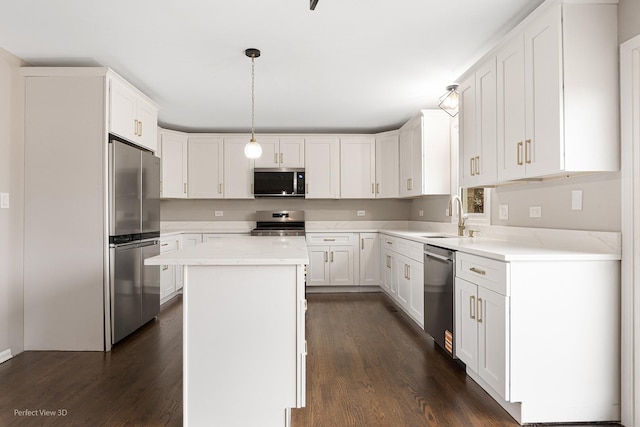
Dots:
pixel 164 244
pixel 478 271
pixel 329 240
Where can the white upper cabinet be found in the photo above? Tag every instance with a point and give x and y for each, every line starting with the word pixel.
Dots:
pixel 238 170
pixel 425 156
pixel 173 161
pixel 387 166
pixel 322 168
pixel 205 167
pixel 357 168
pixel 477 126
pixel 132 115
pixel 556 80
pixel 281 153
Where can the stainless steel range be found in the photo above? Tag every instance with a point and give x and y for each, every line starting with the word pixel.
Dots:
pixel 279 223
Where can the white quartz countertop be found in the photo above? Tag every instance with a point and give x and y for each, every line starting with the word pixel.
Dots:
pixel 244 250
pixel 502 250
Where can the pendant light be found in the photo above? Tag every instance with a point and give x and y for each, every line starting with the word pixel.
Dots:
pixel 449 101
pixel 252 150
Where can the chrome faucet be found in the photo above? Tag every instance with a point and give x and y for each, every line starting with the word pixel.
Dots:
pixel 461 219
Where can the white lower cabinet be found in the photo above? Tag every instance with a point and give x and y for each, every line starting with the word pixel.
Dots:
pixel 170 275
pixel 403 275
pixel 369 259
pixel 540 336
pixel 332 260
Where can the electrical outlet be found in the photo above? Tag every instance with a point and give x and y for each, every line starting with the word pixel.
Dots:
pixel 4 200
pixel 535 212
pixel 503 213
pixel 360 213
pixel 219 213
pixel 420 212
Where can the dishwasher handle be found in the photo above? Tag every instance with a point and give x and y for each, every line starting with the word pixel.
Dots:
pixel 436 256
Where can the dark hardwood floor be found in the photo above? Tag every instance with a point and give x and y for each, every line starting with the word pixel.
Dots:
pixel 367 366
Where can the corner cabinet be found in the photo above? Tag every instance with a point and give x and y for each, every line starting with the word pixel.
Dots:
pixel 132 115
pixel 425 154
pixel 545 125
pixel 529 331
pixel 173 164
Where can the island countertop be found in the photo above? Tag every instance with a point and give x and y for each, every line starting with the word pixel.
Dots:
pixel 245 250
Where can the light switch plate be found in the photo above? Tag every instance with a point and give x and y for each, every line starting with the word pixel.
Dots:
pixel 4 200
pixel 576 200
pixel 360 213
pixel 420 212
pixel 219 213
pixel 535 212
pixel 503 213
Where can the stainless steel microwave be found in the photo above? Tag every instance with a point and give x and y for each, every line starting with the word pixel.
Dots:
pixel 278 182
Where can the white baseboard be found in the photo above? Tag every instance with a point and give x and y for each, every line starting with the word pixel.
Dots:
pixel 5 355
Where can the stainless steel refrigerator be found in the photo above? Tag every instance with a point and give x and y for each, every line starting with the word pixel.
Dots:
pixel 134 229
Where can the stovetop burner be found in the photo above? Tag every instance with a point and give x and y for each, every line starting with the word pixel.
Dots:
pixel 279 223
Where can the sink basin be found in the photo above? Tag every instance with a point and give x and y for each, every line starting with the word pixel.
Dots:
pixel 439 236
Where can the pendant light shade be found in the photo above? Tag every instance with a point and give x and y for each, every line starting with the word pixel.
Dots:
pixel 252 150
pixel 449 101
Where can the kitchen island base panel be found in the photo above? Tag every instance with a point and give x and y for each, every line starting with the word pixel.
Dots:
pixel 240 344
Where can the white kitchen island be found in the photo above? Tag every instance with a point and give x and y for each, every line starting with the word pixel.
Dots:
pixel 244 330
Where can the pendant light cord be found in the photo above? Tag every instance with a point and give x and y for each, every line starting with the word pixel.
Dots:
pixel 253 97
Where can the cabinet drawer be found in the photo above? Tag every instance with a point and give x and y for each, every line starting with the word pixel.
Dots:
pixel 168 244
pixel 413 250
pixel 390 243
pixel 485 272
pixel 331 239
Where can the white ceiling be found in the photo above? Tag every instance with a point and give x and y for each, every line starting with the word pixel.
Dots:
pixel 348 66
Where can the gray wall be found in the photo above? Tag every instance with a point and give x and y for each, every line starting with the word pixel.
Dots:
pixel 628 19
pixel 433 209
pixel 11 220
pixel 315 210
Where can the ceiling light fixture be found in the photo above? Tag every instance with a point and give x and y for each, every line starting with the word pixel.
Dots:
pixel 252 150
pixel 449 101
pixel 313 4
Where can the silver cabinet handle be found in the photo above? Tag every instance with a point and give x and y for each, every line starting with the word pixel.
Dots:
pixel 527 151
pixel 140 134
pixel 479 310
pixel 519 153
pixel 165 267
pixel 184 185
pixel 329 240
pixel 472 307
pixel 408 272
pixel 362 243
pixel 326 256
pixel 164 244
pixel 307 188
pixel 377 188
pixel 135 127
pixel 471 166
pixel 478 271
pixel 388 261
pixel 477 165
pixel 220 188
pixel 331 256
pixel 275 157
pixel 281 158
pixel 373 188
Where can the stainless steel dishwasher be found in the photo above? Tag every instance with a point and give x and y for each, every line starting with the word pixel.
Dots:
pixel 439 270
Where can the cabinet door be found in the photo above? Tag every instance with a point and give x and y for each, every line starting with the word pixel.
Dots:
pixel 493 321
pixel 415 274
pixel 174 166
pixel 292 153
pixel 270 153
pixel 205 167
pixel 322 168
pixel 387 167
pixel 486 170
pixel 411 158
pixel 147 117
pixel 341 265
pixel 466 325
pixel 387 272
pixel 544 145
pixel 404 285
pixel 406 172
pixel 511 110
pixel 357 168
pixel 369 259
pixel 238 171
pixel 467 131
pixel 122 109
pixel 318 268
pixel 167 280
